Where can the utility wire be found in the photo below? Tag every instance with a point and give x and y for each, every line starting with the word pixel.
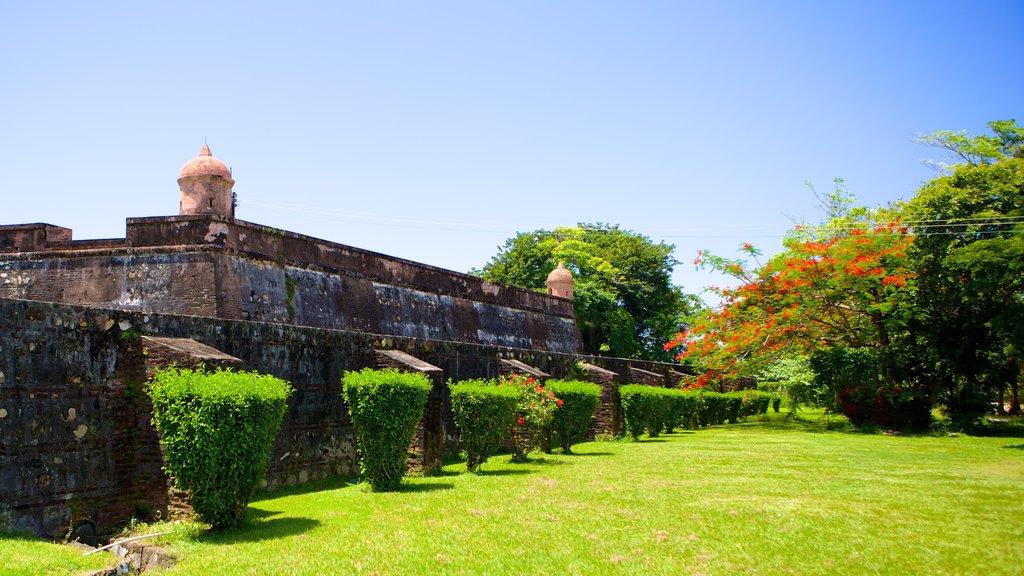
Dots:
pixel 714 231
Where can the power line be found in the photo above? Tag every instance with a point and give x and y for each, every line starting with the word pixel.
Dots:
pixel 713 231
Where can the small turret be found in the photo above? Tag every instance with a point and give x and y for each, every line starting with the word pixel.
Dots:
pixel 559 282
pixel 205 184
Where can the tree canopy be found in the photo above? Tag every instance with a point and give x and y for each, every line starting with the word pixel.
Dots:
pixel 968 252
pixel 625 302
pixel 893 306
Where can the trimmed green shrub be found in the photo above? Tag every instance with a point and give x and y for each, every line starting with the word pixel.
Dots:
pixel 682 410
pixel 635 408
pixel 386 406
pixel 572 418
pixel 755 402
pixel 712 408
pixel 216 429
pixel 484 414
pixel 733 406
pixel 645 408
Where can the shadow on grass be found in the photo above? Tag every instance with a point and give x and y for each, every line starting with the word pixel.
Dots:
pixel 257 527
pixel 1012 430
pixel 408 487
pixel 540 461
pixel 503 472
pixel 1015 446
pixel 790 423
pixel 305 488
pixel 585 454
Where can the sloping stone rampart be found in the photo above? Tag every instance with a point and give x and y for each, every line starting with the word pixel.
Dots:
pixel 225 268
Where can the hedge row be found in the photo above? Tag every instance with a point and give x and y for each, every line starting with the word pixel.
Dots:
pixel 654 410
pixel 217 427
pixel 490 411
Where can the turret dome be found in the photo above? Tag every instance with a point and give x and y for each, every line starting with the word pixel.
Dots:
pixel 560 282
pixel 205 165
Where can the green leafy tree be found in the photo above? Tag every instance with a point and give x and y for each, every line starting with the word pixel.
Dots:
pixel 968 253
pixel 1007 142
pixel 625 302
pixel 842 286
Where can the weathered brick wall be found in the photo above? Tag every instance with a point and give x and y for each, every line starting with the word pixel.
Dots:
pixel 172 281
pixel 31 237
pixel 608 416
pixel 76 443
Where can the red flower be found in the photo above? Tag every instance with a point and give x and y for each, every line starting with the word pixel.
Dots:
pixel 520 420
pixel 559 402
pixel 551 394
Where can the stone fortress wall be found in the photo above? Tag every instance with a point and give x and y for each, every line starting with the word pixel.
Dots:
pixel 76 443
pixel 210 265
pixel 83 323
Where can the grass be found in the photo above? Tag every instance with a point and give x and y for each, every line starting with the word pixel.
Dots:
pixel 778 496
pixel 21 555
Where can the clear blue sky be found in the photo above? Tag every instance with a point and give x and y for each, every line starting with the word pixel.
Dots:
pixel 433 131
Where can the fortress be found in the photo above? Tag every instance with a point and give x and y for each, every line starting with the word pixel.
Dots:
pixel 83 322
pixel 204 262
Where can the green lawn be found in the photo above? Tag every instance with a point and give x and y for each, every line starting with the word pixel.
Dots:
pixel 24 555
pixel 775 497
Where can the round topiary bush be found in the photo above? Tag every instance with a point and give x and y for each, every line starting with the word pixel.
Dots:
pixel 216 430
pixel 386 406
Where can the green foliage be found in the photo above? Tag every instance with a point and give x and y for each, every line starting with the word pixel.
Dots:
pixel 534 410
pixel 753 402
pixel 216 429
pixel 792 379
pixel 682 410
pixel 733 406
pixel 643 408
pixel 865 397
pixel 625 303
pixel 1008 142
pixel 653 409
pixel 968 253
pixel 572 418
pixel 484 413
pixel 789 498
pixel 712 408
pixel 386 406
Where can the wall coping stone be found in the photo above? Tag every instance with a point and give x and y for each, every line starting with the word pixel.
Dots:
pixel 523 368
pixel 407 360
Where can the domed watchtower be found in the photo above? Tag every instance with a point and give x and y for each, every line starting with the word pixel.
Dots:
pixel 559 282
pixel 205 184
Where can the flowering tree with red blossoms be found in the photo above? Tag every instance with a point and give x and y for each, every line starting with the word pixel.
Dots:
pixel 844 285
